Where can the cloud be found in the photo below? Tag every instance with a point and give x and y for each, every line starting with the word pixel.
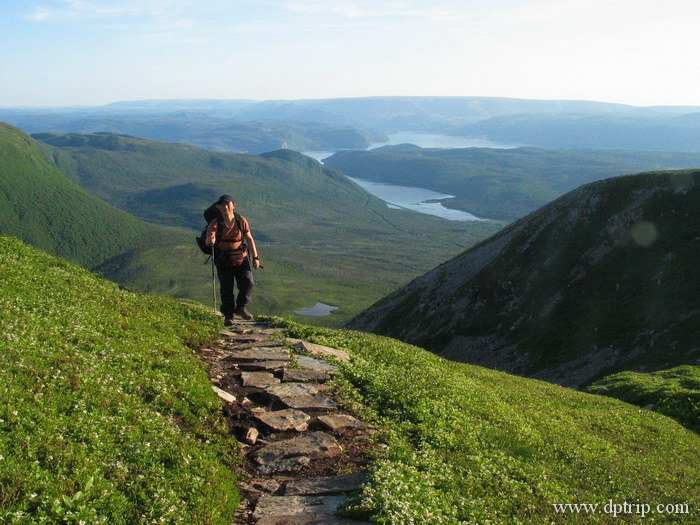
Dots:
pixel 81 10
pixel 356 9
pixel 158 21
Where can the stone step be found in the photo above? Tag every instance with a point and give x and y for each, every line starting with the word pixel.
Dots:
pixel 258 354
pixel 314 364
pixel 307 520
pixel 309 402
pixel 292 389
pixel 245 338
pixel 270 331
pixel 326 485
pixel 313 444
pixel 282 420
pixel 322 350
pixel 336 422
pixel 259 379
pixel 260 486
pixel 298 375
pixel 263 365
pixel 269 506
pixel 290 465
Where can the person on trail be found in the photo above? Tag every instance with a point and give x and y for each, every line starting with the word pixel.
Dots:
pixel 230 236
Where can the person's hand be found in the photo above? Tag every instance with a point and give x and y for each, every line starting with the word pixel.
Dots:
pixel 256 263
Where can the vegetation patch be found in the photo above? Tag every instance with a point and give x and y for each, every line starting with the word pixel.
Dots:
pixel 107 414
pixel 674 392
pixel 472 445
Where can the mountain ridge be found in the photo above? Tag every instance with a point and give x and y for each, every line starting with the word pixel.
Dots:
pixel 596 282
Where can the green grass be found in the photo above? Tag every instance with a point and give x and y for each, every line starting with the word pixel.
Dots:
pixel 42 206
pixel 674 392
pixel 107 414
pixel 473 445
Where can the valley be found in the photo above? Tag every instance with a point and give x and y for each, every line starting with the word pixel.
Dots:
pixel 320 232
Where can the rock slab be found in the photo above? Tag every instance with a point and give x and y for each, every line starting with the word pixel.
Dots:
pixel 296 505
pixel 339 421
pixel 327 351
pixel 313 444
pixel 309 402
pixel 314 364
pixel 263 365
pixel 292 389
pixel 229 398
pixel 258 379
pixel 288 419
pixel 258 354
pixel 298 375
pixel 294 464
pixel 327 485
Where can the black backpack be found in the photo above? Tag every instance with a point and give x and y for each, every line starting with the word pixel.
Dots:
pixel 211 213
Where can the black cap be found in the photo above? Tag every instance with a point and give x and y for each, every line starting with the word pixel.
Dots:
pixel 224 199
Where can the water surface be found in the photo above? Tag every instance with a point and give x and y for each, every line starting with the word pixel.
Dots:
pixel 413 198
pixel 317 310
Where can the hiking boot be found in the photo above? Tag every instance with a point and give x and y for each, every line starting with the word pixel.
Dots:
pixel 228 321
pixel 245 314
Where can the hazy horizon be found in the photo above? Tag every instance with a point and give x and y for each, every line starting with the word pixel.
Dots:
pixel 252 100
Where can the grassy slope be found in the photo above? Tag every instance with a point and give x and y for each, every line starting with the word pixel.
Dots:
pixel 321 237
pixel 674 392
pixel 473 445
pixel 505 184
pixel 40 205
pixel 106 413
pixel 110 416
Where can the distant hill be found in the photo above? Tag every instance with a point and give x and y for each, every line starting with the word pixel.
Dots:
pixel 321 237
pixel 417 113
pixel 199 129
pixel 42 206
pixel 651 132
pixel 500 183
pixel 601 280
pixel 246 126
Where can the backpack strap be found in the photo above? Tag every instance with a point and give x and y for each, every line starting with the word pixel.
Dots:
pixel 239 223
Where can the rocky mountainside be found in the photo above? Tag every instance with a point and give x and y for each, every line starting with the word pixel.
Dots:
pixel 601 280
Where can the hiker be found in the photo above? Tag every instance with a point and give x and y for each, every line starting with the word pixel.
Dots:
pixel 231 258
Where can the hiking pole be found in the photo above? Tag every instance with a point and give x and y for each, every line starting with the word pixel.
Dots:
pixel 213 281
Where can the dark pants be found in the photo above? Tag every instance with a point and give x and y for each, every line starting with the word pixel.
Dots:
pixel 243 276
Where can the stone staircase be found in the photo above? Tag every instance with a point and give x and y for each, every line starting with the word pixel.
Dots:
pixel 302 453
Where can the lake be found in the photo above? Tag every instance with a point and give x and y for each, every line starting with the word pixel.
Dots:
pixel 317 310
pixel 413 198
pixel 423 140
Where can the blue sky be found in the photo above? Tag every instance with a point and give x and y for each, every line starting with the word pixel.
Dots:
pixel 91 52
